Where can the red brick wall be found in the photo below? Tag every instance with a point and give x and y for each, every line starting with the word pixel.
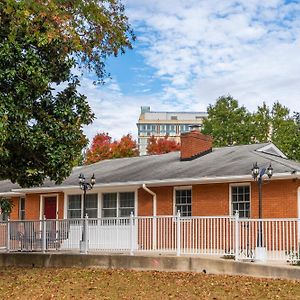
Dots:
pixel 164 204
pixel 164 200
pixel 208 199
pixel 32 206
pixel 145 207
pixel 14 215
pixel 279 199
pixel 61 205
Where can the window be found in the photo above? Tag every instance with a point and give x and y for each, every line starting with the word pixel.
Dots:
pixel 240 200
pixel 109 205
pixel 75 206
pixel 117 204
pixel 162 129
pixel 173 117
pixel 185 128
pixel 91 206
pixel 183 202
pixel 147 128
pixel 22 209
pixel 170 129
pixel 126 204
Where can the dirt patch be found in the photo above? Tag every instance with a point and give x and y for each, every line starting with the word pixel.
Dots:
pixel 77 283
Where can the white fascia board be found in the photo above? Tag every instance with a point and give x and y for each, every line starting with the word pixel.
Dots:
pixel 45 189
pixel 73 188
pixel 11 194
pixel 224 179
pixel 165 182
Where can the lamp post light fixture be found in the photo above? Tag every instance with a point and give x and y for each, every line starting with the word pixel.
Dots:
pixel 257 174
pixel 85 186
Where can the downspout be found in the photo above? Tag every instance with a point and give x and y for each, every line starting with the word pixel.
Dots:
pixel 154 198
pixel 154 215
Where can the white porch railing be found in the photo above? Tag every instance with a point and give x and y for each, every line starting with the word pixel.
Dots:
pixel 252 239
pixel 278 238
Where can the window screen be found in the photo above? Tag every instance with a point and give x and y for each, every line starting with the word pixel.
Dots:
pixel 240 198
pixel 183 202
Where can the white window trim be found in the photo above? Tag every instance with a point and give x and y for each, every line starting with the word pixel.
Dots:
pixel 231 213
pixel 99 198
pixel 178 188
pixel 118 201
pixel 91 193
pixel 66 204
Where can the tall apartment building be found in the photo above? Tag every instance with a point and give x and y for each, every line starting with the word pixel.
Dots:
pixel 160 124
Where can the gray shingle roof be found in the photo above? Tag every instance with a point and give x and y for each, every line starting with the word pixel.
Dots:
pixel 221 162
pixel 7 185
pixel 226 161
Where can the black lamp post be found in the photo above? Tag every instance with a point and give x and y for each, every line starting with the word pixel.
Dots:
pixel 257 174
pixel 85 186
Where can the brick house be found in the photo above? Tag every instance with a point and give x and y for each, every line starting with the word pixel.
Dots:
pixel 198 181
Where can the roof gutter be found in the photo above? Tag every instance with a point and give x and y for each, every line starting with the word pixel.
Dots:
pixel 64 188
pixel 44 189
pixel 11 194
pixel 154 198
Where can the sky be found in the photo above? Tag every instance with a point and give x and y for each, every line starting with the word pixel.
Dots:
pixel 188 53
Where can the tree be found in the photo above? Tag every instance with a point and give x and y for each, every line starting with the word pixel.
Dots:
pixel 296 141
pixel 261 124
pixel 126 147
pixel 42 43
pixel 293 150
pixel 161 145
pixel 6 206
pixel 103 147
pixel 228 123
pixel 285 131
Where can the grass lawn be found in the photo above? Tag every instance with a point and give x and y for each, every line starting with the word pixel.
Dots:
pixel 76 283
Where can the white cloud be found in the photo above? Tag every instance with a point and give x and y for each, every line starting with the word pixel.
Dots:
pixel 200 50
pixel 115 112
pixel 203 49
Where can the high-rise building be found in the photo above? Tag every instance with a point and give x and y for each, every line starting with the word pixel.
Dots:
pixel 160 124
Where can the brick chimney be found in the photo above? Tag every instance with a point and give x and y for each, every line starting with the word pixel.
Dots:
pixel 195 144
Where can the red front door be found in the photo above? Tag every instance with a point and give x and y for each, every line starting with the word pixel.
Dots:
pixel 50 207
